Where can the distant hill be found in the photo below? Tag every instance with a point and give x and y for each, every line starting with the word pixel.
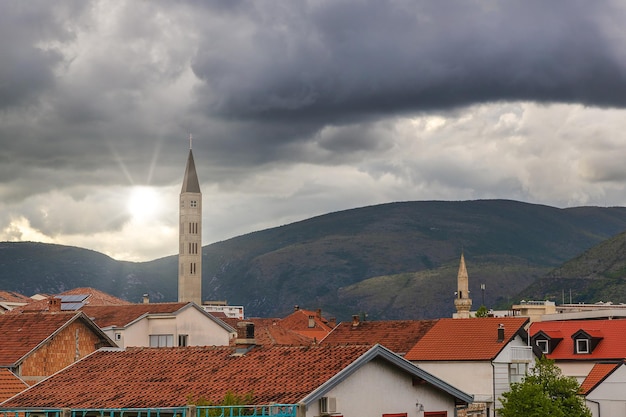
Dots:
pixel 599 274
pixel 388 261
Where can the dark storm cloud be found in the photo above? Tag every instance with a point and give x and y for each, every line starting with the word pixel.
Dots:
pixel 336 60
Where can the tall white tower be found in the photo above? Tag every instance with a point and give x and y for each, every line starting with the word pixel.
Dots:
pixel 190 236
pixel 462 302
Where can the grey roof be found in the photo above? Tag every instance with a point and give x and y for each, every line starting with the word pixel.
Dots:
pixel 190 182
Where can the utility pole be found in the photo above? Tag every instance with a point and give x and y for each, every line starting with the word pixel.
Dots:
pixel 482 289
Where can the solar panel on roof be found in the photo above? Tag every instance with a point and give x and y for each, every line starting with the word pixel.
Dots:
pixel 73 298
pixel 71 306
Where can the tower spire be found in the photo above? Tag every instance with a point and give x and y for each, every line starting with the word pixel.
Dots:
pixel 462 302
pixel 190 235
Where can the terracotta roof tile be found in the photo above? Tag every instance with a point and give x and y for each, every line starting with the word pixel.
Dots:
pixel 268 332
pixel 10 384
pixel 154 377
pixel 396 335
pixel 597 374
pixel 122 315
pixel 611 346
pixel 465 339
pixel 21 333
pixel 94 297
pixel 14 297
pixel 300 322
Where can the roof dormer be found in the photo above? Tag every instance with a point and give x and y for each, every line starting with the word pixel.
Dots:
pixel 544 343
pixel 585 341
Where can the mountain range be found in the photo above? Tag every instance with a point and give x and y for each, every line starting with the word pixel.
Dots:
pixel 388 261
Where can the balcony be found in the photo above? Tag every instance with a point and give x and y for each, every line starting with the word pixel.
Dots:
pixel 516 354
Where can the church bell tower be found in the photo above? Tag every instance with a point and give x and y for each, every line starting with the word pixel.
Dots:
pixel 190 236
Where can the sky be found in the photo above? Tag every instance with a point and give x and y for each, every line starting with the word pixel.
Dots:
pixel 299 108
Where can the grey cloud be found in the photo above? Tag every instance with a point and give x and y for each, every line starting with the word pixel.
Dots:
pixel 337 60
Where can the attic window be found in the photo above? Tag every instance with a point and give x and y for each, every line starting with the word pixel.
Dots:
pixel 582 346
pixel 585 341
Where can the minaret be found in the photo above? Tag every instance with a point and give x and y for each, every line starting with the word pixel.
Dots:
pixel 462 302
pixel 190 236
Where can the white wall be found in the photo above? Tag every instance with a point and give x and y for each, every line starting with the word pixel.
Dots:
pixel 378 388
pixel 200 329
pixel 609 398
pixel 473 377
pixel 577 369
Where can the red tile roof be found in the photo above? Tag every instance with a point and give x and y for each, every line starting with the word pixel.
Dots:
pixel 396 335
pixel 94 297
pixel 471 339
pixel 22 333
pixel 268 332
pixel 122 315
pixel 611 346
pixel 10 384
pixel 300 320
pixel 14 297
pixel 598 373
pixel 157 377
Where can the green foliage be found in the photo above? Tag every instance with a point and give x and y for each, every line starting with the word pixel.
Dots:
pixel 230 399
pixel 482 312
pixel 544 392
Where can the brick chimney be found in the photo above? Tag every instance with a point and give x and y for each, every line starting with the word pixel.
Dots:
pixel 54 304
pixel 245 340
pixel 500 333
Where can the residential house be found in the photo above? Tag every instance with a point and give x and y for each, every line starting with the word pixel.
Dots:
pixel 36 345
pixel 481 356
pixel 604 389
pixel 73 300
pixel 160 324
pixel 10 300
pixel 350 381
pixel 270 332
pixel 308 323
pixel 396 335
pixel 577 345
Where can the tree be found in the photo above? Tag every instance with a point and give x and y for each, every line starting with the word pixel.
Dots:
pixel 482 312
pixel 544 392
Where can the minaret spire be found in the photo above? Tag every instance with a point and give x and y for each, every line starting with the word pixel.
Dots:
pixel 462 302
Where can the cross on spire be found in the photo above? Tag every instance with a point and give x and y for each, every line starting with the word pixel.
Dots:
pixel 190 140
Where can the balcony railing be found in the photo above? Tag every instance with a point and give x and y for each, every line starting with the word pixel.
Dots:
pixel 273 410
pixel 521 354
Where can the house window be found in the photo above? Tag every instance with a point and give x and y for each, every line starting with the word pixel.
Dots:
pixel 517 372
pixel 118 336
pixel 182 340
pixel 582 346
pixel 161 340
pixel 194 203
pixel 543 345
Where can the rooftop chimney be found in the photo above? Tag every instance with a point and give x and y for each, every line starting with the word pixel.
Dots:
pixel 54 304
pixel 245 338
pixel 500 333
pixel 355 321
pixel 296 307
pixel 311 322
pixel 146 299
